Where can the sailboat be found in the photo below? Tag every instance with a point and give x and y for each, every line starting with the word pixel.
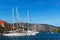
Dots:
pixel 23 33
pixel 13 32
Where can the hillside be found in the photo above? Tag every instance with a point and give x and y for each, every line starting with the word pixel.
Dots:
pixel 5 26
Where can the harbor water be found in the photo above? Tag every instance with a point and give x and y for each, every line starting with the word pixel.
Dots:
pixel 40 36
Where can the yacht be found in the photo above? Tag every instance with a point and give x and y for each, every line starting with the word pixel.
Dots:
pixel 23 33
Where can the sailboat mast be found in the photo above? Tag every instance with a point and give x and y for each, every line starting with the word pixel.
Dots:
pixel 13 15
pixel 28 18
pixel 17 15
pixel 35 27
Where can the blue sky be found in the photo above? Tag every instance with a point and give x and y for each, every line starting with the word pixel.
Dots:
pixel 41 11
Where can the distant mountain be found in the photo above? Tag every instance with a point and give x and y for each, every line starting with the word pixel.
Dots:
pixel 39 27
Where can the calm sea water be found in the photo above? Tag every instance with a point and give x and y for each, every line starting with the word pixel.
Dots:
pixel 40 36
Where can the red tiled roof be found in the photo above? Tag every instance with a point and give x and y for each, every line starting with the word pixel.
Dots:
pixel 3 22
pixel 7 24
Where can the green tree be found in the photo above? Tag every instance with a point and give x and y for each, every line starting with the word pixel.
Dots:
pixel 1 28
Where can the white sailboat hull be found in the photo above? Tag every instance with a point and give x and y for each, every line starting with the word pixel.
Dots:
pixel 15 34
pixel 20 34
